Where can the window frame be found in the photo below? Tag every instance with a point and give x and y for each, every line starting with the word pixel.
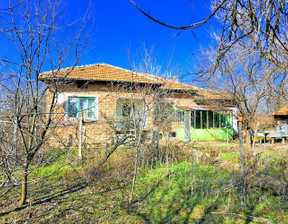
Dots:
pixel 87 96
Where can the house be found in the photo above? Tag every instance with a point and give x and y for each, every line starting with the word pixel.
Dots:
pixel 281 118
pixel 106 97
pixel 281 121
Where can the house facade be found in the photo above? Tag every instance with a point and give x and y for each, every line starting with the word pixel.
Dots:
pixel 111 100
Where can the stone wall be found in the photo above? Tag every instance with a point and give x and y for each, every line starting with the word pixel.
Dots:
pixel 100 131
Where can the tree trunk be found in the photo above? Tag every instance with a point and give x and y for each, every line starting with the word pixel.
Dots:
pixel 255 137
pixel 134 177
pixel 242 163
pixel 24 185
pixel 15 140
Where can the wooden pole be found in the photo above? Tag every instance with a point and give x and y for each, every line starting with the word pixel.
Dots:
pixel 192 176
pixel 255 136
pixel 80 134
pixel 84 130
pixel 84 136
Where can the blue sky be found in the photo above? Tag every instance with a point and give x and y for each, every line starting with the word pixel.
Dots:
pixel 120 28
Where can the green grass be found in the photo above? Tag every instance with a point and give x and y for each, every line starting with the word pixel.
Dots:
pixel 53 172
pixel 227 156
pixel 167 199
pixel 232 157
pixel 162 195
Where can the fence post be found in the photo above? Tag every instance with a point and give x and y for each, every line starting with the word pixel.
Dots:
pixel 80 134
pixel 255 136
pixel 192 175
pixel 187 120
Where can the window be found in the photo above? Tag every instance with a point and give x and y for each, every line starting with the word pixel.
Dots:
pixel 210 119
pixel 217 120
pixel 198 118
pixel 130 115
pixel 164 111
pixel 204 119
pixel 127 109
pixel 223 120
pixel 86 104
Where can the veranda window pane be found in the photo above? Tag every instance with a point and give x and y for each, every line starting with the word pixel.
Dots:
pixel 216 120
pixel 192 119
pixel 223 120
pixel 210 118
pixel 204 119
pixel 198 119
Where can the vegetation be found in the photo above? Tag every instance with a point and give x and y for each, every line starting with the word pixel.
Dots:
pixel 162 194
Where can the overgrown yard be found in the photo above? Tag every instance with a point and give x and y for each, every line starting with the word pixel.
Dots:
pixel 162 195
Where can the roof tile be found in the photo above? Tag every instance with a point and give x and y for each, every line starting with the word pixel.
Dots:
pixel 282 111
pixel 105 72
pixel 101 72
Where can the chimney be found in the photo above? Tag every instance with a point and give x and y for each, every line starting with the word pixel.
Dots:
pixel 175 78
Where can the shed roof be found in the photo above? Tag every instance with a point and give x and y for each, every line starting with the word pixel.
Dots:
pixel 283 111
pixel 201 107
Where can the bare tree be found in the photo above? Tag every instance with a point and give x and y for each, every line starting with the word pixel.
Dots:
pixel 246 80
pixel 262 22
pixel 33 30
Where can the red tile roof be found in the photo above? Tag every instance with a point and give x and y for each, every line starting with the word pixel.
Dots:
pixel 200 107
pixel 105 72
pixel 282 111
pixel 101 72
